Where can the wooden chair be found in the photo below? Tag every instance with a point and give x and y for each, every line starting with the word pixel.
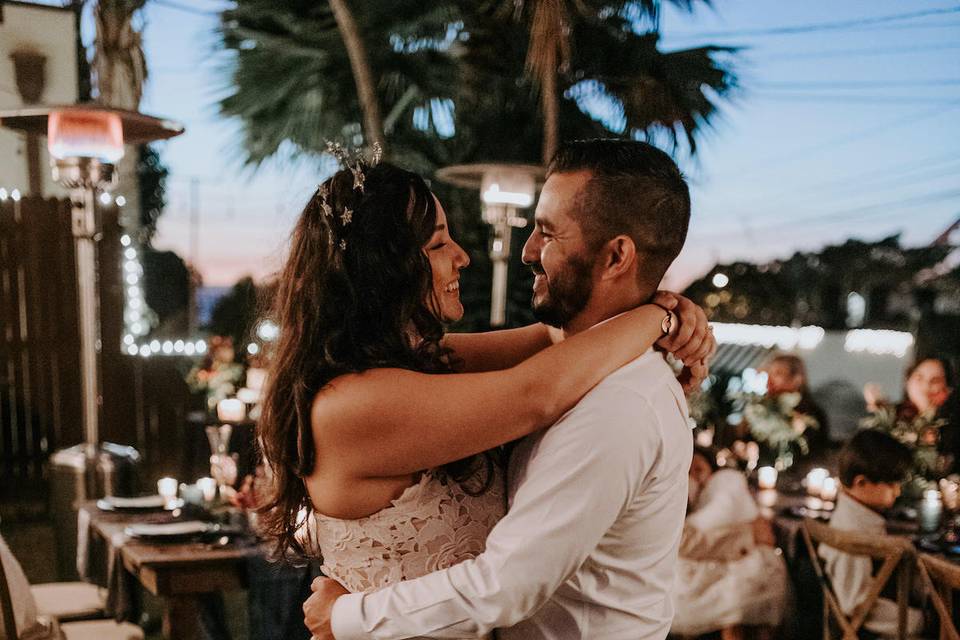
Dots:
pixel 941 579
pixel 50 629
pixel 893 552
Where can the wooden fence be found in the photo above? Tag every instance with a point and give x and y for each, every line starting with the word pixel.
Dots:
pixel 144 400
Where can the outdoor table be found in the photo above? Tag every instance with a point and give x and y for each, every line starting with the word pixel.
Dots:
pixel 787 524
pixel 179 573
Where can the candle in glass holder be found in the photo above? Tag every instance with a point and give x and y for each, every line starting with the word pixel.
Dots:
pixel 231 410
pixel 191 493
pixel 829 490
pixel 209 488
pixel 767 478
pixel 815 481
pixel 931 508
pixel 167 487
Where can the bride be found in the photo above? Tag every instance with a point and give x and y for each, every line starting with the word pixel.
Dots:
pixel 383 433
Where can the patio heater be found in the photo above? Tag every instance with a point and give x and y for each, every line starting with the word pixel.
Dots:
pixel 504 190
pixel 85 141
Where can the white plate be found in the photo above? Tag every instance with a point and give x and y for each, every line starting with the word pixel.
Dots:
pixel 169 530
pixel 141 502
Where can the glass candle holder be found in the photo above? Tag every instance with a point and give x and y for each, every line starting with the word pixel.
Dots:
pixel 767 477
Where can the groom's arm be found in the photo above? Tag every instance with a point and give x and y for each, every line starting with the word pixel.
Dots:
pixel 581 475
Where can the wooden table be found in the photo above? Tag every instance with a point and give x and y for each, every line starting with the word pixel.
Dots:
pixel 177 573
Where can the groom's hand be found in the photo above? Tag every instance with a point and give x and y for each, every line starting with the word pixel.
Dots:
pixel 318 608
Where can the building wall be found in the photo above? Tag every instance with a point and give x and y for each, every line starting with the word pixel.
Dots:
pixel 50 31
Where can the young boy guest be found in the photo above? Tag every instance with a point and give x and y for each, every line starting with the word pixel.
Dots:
pixel 872 466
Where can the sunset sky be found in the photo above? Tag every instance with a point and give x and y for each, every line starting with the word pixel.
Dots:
pixel 846 125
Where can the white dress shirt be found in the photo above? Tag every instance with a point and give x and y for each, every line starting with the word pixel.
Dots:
pixel 588 548
pixel 852 576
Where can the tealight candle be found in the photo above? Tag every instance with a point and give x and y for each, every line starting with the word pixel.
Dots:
pixel 815 481
pixel 167 487
pixel 829 490
pixel 705 438
pixel 209 488
pixel 231 410
pixel 767 477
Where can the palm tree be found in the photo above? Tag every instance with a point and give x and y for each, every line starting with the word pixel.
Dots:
pixel 120 68
pixel 668 92
pixel 118 60
pixel 300 77
pixel 362 74
pixel 455 66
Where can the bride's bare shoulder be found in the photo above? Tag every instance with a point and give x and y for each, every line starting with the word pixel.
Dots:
pixel 349 398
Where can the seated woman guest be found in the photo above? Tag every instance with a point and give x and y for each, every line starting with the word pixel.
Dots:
pixel 787 373
pixel 928 391
pixel 726 591
pixel 872 467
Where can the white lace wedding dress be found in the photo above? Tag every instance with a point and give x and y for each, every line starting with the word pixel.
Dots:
pixel 433 525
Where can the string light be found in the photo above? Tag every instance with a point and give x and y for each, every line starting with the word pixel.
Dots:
pixel 878 342
pixel 873 341
pixel 786 338
pixel 138 318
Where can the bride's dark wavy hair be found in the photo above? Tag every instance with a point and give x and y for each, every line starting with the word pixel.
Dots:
pixel 350 295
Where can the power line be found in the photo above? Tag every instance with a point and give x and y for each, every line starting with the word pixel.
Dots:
pixel 170 4
pixel 770 94
pixel 865 52
pixel 820 26
pixel 856 84
pixel 777 161
pixel 921 165
pixel 871 51
pixel 862 212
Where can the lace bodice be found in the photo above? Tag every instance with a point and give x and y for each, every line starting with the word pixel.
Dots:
pixel 433 525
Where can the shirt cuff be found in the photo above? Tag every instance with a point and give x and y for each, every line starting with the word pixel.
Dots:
pixel 346 617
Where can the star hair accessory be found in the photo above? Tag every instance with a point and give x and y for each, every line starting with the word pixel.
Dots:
pixel 355 161
pixel 324 193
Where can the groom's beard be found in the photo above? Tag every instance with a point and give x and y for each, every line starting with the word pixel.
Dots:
pixel 567 292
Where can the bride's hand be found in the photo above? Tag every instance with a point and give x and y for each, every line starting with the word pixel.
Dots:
pixel 693 342
pixel 318 608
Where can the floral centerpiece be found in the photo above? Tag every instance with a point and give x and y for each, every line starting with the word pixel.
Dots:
pixel 776 425
pixel 919 432
pixel 218 374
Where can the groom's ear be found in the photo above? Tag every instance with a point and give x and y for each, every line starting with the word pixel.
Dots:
pixel 620 257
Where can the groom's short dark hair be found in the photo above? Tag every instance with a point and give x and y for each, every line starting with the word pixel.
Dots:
pixel 636 190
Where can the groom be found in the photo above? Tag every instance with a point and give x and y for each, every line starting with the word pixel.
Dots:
pixel 589 545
